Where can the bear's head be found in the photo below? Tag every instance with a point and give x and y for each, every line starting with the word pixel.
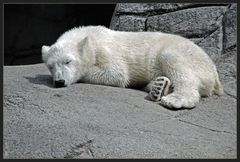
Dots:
pixel 68 61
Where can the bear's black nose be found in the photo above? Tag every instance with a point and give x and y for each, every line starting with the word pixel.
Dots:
pixel 59 83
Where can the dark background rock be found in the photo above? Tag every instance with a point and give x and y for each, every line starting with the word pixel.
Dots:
pixel 29 26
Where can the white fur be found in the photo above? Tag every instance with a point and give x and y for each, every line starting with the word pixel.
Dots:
pixel 102 56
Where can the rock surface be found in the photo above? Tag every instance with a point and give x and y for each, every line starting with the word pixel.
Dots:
pixel 94 121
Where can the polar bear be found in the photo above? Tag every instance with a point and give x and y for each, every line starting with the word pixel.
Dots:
pixel 174 71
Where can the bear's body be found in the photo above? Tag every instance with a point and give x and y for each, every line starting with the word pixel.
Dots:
pixel 98 55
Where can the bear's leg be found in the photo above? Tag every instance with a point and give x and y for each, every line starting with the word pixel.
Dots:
pixel 158 87
pixel 185 95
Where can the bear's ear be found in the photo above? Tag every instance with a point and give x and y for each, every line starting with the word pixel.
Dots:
pixel 83 45
pixel 45 50
pixel 86 46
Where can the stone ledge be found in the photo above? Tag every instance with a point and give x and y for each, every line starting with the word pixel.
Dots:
pixel 95 121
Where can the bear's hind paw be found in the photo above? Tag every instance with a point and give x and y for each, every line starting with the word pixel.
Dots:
pixel 173 101
pixel 159 88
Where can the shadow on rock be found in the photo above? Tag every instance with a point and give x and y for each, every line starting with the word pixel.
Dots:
pixel 41 80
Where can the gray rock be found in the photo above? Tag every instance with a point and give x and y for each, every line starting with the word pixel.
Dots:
pixel 191 23
pixel 131 23
pixel 169 7
pixel 156 8
pixel 230 27
pixel 212 43
pixel 227 69
pixel 95 121
pixel 133 7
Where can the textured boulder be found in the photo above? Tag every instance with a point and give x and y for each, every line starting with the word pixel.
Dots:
pixel 230 26
pixel 137 23
pixel 95 121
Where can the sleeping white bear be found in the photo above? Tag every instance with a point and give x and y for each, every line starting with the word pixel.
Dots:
pixel 175 71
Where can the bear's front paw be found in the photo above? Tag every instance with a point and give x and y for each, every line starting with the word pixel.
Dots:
pixel 159 88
